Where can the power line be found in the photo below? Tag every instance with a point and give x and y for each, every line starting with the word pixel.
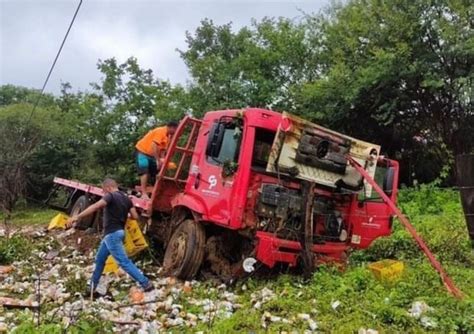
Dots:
pixel 54 62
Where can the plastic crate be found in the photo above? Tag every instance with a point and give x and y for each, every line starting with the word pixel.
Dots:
pixel 59 221
pixel 387 270
pixel 134 242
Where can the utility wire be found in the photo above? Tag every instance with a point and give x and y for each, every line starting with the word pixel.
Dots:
pixel 54 62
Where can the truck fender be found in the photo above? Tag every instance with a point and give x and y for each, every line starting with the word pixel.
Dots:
pixel 192 203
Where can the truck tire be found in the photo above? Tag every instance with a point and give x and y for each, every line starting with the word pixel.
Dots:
pixel 80 205
pixel 185 250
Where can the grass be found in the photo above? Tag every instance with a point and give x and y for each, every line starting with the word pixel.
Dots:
pixel 364 301
pixel 368 303
pixel 30 215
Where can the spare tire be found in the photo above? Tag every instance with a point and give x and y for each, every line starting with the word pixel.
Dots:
pixel 79 206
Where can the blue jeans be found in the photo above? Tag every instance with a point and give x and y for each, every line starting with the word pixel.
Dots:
pixel 112 244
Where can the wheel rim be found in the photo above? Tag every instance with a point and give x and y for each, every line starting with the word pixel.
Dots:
pixel 77 209
pixel 176 252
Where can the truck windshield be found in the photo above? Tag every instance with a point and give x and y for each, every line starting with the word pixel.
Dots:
pixel 230 144
pixel 379 178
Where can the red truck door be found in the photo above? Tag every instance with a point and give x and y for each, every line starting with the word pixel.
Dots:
pixel 216 167
pixel 371 217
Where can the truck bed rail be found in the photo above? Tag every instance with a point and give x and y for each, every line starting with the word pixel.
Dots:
pixel 97 191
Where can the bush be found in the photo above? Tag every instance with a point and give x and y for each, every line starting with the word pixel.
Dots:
pixel 13 249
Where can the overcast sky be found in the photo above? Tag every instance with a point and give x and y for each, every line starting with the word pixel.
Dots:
pixel 31 32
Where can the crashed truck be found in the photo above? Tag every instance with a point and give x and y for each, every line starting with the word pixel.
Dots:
pixel 250 188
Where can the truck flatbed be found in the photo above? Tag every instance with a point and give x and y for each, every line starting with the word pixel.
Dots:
pixel 141 203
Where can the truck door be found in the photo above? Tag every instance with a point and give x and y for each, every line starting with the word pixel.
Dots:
pixel 218 168
pixel 372 217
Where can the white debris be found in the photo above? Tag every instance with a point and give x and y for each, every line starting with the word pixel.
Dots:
pixel 260 297
pixel 149 327
pixel 275 319
pixel 313 325
pixel 335 304
pixel 229 296
pixel 303 316
pixel 428 322
pixel 268 317
pixel 103 285
pixel 55 293
pixel 175 322
pixel 248 264
pixel 192 317
pixel 418 308
pixel 367 331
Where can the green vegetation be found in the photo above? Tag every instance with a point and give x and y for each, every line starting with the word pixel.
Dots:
pixel 368 303
pixel 30 215
pixel 13 249
pixel 83 325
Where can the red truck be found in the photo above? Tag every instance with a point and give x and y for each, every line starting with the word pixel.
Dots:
pixel 255 184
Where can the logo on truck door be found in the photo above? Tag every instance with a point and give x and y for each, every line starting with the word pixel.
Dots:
pixel 212 181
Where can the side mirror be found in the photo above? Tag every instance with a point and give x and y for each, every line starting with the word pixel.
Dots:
pixel 388 181
pixel 214 142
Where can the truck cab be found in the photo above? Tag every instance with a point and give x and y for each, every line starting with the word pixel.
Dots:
pixel 244 193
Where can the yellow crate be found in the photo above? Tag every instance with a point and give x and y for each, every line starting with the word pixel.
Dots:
pixel 59 221
pixel 110 265
pixel 134 242
pixel 387 270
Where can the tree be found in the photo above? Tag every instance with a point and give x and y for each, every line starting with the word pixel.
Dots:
pixel 126 103
pixel 19 142
pixel 260 66
pixel 36 146
pixel 398 73
pixel 10 94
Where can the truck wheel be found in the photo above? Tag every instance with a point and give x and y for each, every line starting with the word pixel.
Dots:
pixel 80 205
pixel 185 250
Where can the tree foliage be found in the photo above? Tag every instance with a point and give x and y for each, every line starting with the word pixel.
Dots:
pixel 23 142
pixel 259 66
pixel 398 73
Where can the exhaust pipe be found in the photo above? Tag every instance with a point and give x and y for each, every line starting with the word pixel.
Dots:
pixel 465 181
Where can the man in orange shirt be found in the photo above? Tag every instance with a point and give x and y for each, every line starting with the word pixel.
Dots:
pixel 150 151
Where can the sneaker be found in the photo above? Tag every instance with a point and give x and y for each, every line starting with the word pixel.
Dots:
pixel 148 287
